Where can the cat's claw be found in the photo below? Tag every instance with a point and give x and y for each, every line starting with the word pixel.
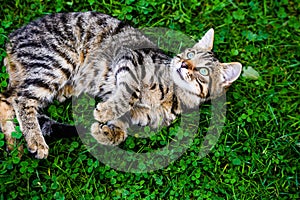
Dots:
pixel 42 152
pixel 108 134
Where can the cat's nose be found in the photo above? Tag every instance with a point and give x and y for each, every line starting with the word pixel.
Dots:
pixel 187 64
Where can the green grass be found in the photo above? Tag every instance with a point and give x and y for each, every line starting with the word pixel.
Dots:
pixel 258 153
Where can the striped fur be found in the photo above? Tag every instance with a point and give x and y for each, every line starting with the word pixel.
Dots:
pixel 66 54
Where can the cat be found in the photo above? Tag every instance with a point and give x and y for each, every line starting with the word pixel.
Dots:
pixel 66 54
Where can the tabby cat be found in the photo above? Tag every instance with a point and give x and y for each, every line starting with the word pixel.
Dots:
pixel 66 54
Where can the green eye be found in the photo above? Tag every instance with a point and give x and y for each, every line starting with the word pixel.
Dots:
pixel 203 71
pixel 190 55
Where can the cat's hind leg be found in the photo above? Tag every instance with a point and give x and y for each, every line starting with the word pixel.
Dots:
pixel 7 125
pixel 26 112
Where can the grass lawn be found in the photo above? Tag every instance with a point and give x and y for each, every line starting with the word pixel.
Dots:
pixel 258 153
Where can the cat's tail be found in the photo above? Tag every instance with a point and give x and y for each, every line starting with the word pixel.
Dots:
pixel 52 129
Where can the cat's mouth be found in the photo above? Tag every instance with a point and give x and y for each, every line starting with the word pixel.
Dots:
pixel 183 65
pixel 180 75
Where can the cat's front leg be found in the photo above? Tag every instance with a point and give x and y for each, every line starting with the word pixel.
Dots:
pixel 110 130
pixel 26 112
pixel 118 104
pixel 126 89
pixel 106 111
pixel 112 133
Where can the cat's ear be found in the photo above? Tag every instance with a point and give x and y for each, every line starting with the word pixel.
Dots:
pixel 231 72
pixel 207 41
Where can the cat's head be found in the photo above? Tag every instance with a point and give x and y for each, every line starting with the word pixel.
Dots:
pixel 200 74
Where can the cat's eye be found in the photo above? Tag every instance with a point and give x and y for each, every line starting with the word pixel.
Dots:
pixel 203 71
pixel 190 55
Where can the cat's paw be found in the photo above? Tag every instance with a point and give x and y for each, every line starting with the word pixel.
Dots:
pixel 108 134
pixel 38 145
pixel 104 112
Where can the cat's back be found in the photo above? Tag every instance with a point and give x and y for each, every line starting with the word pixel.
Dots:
pixel 69 31
pixel 46 52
